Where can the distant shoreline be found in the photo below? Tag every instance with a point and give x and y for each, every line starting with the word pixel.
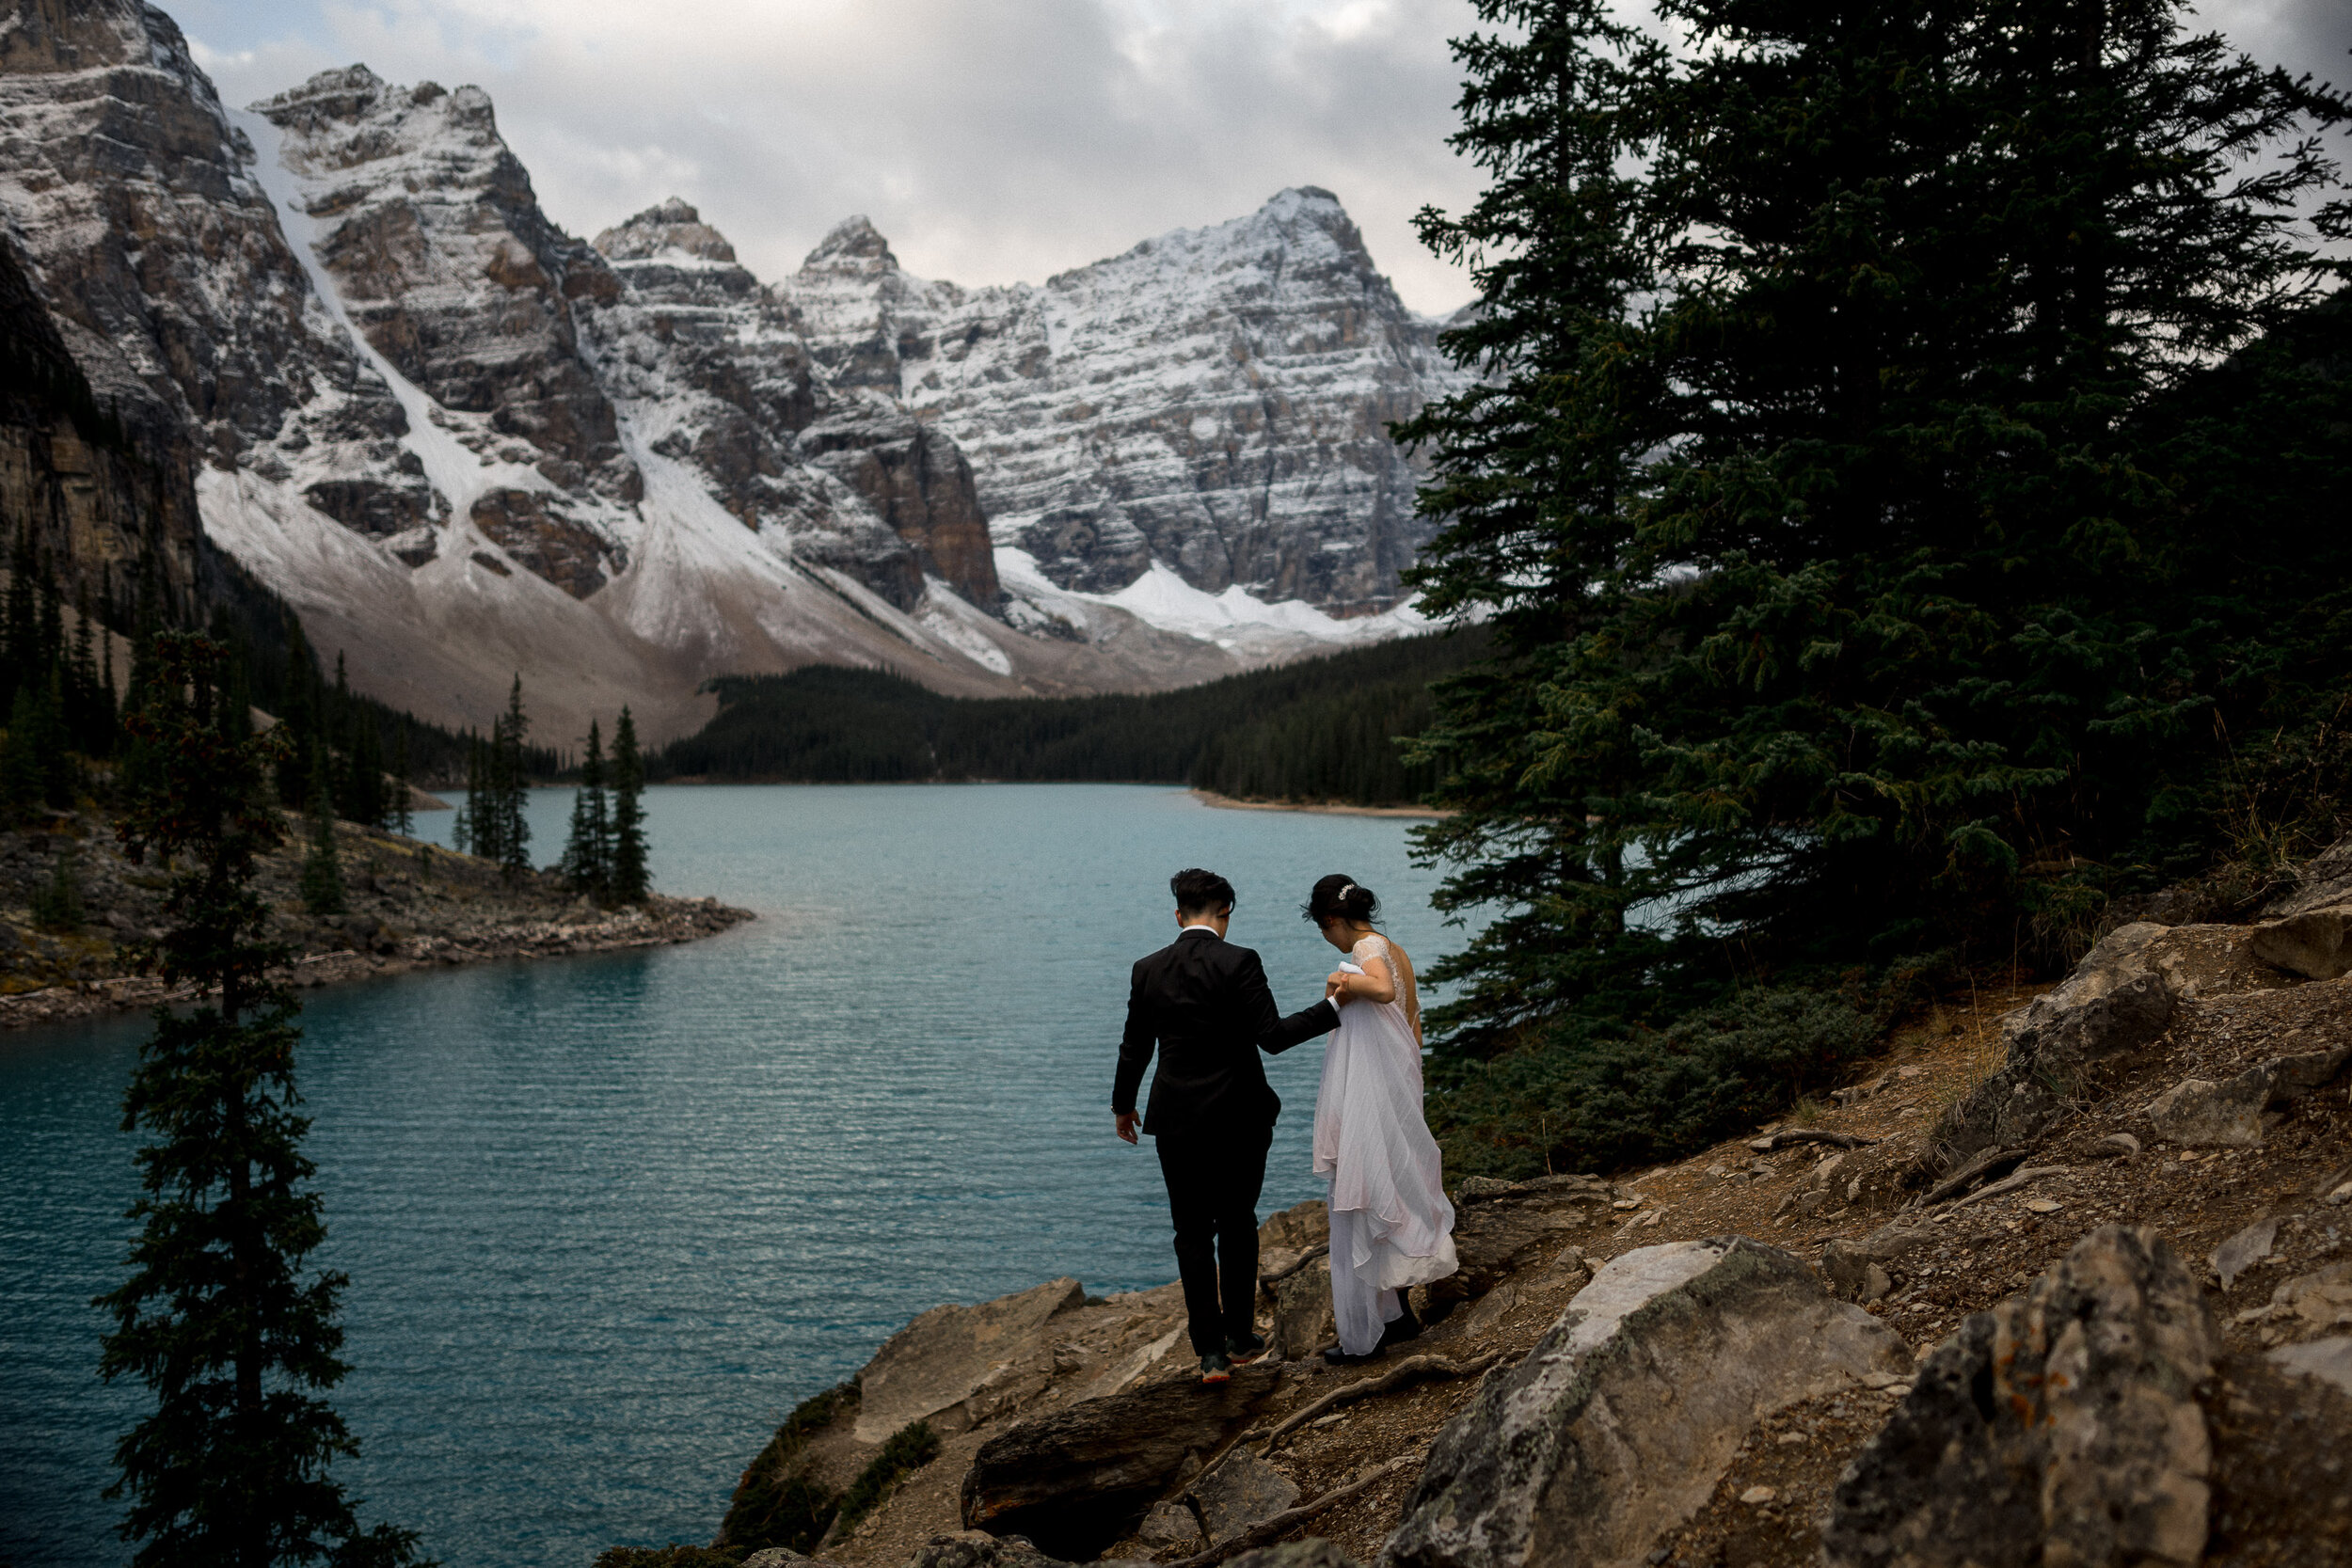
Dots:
pixel 1322 808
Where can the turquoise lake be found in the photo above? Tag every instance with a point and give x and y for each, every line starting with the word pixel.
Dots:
pixel 609 1218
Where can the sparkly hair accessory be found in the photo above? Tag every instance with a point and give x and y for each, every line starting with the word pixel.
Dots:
pixel 1347 892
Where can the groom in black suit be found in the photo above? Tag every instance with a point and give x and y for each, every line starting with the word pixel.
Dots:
pixel 1205 1003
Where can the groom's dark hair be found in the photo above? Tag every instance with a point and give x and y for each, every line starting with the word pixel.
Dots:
pixel 1199 892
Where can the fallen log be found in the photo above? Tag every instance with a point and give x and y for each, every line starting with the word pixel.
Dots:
pixel 1290 1518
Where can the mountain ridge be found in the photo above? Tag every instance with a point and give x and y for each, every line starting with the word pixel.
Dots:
pixel 462 443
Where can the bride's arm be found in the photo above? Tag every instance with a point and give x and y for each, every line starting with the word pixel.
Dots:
pixel 1377 983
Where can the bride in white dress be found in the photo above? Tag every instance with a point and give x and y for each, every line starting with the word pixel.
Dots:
pixel 1391 1227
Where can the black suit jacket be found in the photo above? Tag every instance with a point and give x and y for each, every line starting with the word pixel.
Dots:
pixel 1205 1003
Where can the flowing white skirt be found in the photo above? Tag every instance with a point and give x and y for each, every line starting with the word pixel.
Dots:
pixel 1392 1227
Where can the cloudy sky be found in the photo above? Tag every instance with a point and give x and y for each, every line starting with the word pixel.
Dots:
pixel 993 140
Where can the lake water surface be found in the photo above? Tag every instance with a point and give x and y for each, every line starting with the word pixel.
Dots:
pixel 608 1219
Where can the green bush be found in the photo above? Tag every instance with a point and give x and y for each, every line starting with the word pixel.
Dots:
pixel 909 1448
pixel 1587 1099
pixel 776 1504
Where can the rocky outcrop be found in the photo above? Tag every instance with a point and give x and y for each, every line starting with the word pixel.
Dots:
pixel 412 907
pixel 950 1354
pixel 1215 401
pixel 2200 1113
pixel 2119 1001
pixel 1076 1479
pixel 2062 1427
pixel 1616 1425
pixel 1501 1229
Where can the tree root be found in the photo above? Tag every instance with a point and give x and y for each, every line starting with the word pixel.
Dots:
pixel 1286 1271
pixel 1290 1518
pixel 1808 1136
pixel 1411 1370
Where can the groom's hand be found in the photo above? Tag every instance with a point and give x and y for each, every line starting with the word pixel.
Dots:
pixel 1127 1122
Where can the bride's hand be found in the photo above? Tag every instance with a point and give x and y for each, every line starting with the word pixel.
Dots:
pixel 1335 986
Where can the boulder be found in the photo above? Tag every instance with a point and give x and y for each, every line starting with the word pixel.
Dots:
pixel 1301 1312
pixel 1501 1227
pixel 949 1354
pixel 2316 945
pixel 1077 1478
pixel 2062 1427
pixel 1239 1493
pixel 2115 1002
pixel 2324 879
pixel 1621 1420
pixel 2236 1112
pixel 2329 1358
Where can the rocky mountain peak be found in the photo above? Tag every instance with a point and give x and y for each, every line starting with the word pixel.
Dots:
pixel 669 230
pixel 854 246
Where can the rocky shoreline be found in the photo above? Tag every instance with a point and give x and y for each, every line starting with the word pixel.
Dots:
pixel 2065 1276
pixel 410 906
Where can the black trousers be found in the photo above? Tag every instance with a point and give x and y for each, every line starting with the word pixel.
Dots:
pixel 1213 1188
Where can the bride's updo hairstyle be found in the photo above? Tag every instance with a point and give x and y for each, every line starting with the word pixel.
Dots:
pixel 1338 897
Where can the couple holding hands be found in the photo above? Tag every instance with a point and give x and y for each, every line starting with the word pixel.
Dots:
pixel 1204 1005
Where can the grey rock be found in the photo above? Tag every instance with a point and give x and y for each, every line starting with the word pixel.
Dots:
pixel 1239 1493
pixel 1077 1478
pixel 2062 1427
pixel 1620 1421
pixel 1849 1264
pixel 1501 1229
pixel 2324 879
pixel 2235 1113
pixel 1302 1323
pixel 2117 1001
pixel 949 1354
pixel 2244 1250
pixel 2329 1358
pixel 2322 1298
pixel 977 1549
pixel 1169 1524
pixel 2316 945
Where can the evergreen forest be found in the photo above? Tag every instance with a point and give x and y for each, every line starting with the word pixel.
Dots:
pixel 1906 488
pixel 1322 730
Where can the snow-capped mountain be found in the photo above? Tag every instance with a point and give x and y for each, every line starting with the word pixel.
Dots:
pixel 463 443
pixel 1216 400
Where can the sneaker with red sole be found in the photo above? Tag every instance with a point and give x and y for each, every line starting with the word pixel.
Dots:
pixel 1243 1351
pixel 1215 1368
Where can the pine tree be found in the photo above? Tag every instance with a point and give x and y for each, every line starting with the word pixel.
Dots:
pixel 220 1317
pixel 403 822
pixel 629 880
pixel 57 906
pixel 510 786
pixel 587 862
pixel 322 867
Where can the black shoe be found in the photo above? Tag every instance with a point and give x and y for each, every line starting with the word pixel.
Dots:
pixel 1243 1351
pixel 1214 1368
pixel 1402 1329
pixel 1337 1357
